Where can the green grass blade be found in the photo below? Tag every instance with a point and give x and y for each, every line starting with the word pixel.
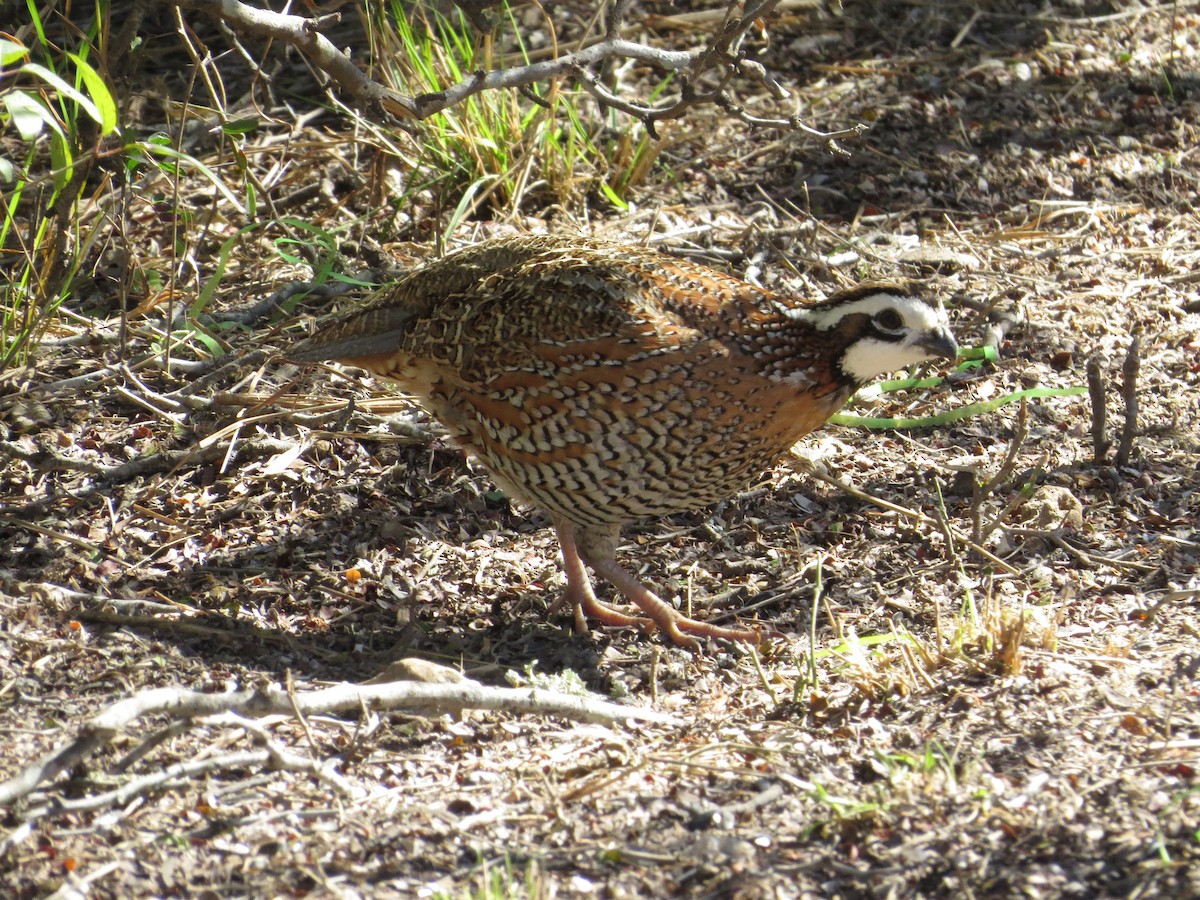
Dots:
pixel 151 149
pixel 11 52
pixel 36 18
pixel 66 89
pixel 102 98
pixel 29 115
pixel 953 415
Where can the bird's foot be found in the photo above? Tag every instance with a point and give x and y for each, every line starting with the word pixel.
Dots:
pixel 599 545
pixel 674 624
pixel 584 605
pixel 678 627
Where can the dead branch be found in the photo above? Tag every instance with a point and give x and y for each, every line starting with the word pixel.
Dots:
pixel 269 699
pixel 1000 322
pixel 1129 376
pixel 303 33
pixel 723 54
pixel 1085 559
pixel 42 455
pixel 1096 388
pixel 273 755
pixel 723 816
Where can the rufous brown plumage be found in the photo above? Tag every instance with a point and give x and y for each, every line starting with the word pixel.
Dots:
pixel 607 383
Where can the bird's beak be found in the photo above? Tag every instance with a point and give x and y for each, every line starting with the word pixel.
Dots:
pixel 939 344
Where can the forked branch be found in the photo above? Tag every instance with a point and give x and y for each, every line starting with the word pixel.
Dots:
pixel 266 699
pixel 717 62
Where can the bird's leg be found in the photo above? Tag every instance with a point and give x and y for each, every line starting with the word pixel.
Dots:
pixel 579 591
pixel 597 547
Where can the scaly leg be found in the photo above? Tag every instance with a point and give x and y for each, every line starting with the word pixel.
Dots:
pixel 597 547
pixel 579 591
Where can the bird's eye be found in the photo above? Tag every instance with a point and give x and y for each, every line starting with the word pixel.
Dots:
pixel 889 321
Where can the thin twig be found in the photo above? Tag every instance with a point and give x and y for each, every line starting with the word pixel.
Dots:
pixel 1088 560
pixel 982 492
pixel 809 469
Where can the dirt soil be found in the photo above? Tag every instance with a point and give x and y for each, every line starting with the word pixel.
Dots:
pixel 928 721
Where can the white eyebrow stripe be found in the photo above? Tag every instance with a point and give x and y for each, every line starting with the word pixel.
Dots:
pixel 918 314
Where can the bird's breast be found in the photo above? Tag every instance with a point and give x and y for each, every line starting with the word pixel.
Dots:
pixel 611 443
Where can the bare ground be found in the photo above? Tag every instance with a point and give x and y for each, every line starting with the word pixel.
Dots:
pixel 960 730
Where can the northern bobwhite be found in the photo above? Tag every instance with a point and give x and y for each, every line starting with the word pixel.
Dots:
pixel 609 383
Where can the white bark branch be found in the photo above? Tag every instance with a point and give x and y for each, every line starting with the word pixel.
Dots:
pixel 272 700
pixel 722 53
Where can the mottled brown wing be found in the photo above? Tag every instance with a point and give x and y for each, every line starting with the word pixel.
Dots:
pixel 380 326
pixel 528 304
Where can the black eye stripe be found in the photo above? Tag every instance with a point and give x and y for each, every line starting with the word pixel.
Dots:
pixel 888 321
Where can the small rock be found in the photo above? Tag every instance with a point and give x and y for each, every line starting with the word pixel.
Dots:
pixel 1052 507
pixel 939 259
